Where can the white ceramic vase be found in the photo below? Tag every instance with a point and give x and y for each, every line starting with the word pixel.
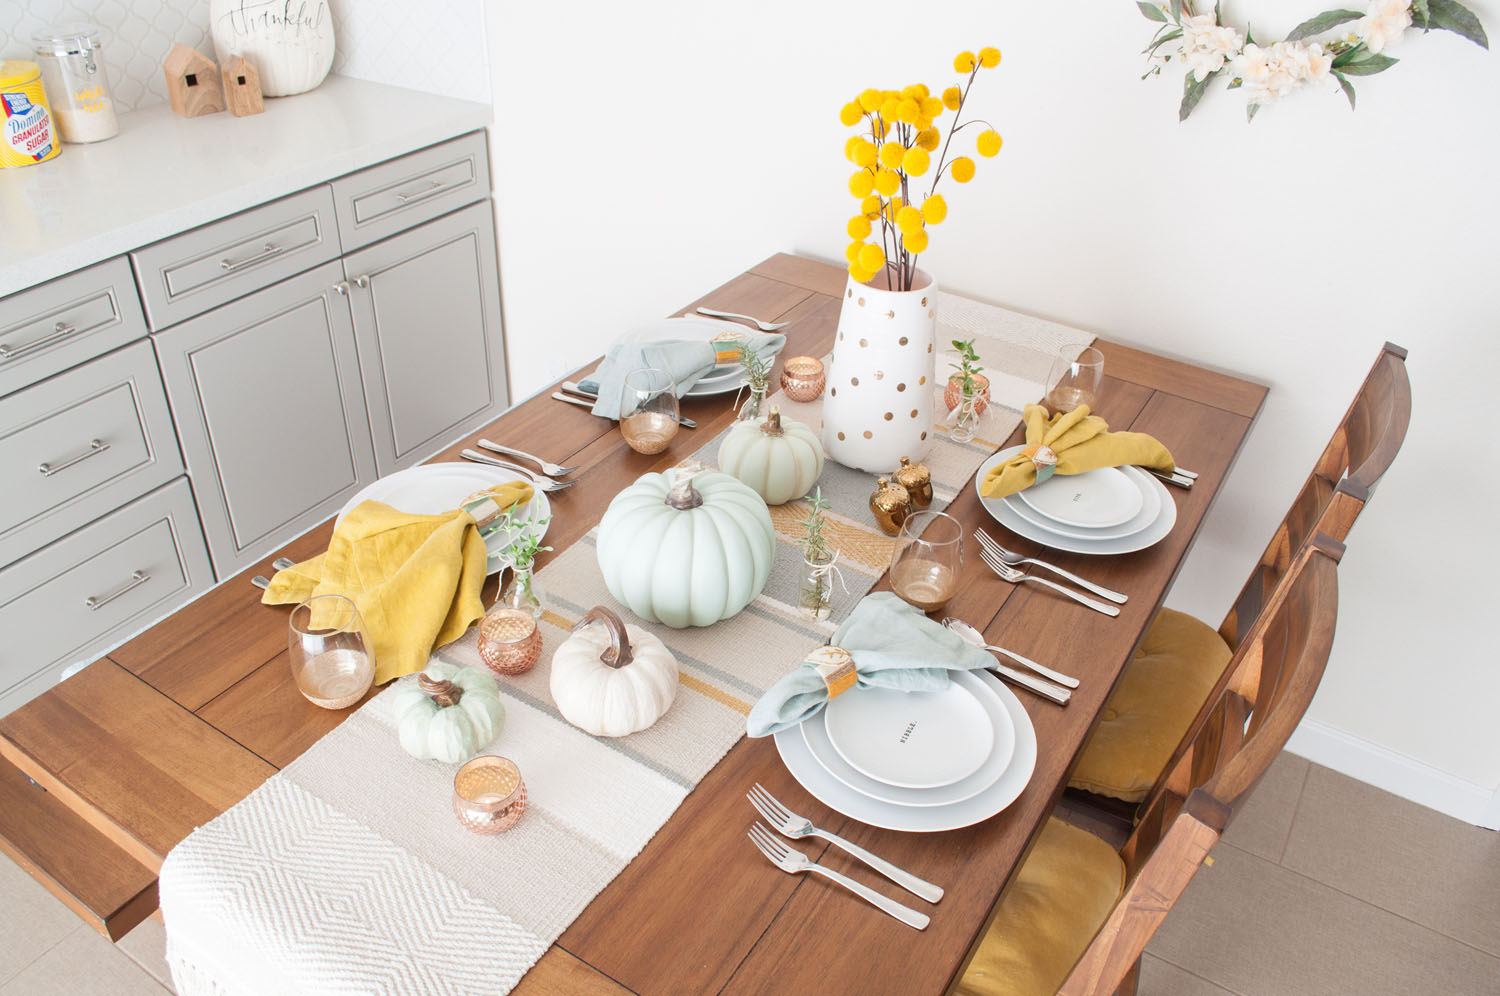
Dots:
pixel 878 406
pixel 290 45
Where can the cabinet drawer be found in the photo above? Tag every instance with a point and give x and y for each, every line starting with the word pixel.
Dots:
pixel 62 323
pixel 396 195
pixel 188 274
pixel 76 598
pixel 80 444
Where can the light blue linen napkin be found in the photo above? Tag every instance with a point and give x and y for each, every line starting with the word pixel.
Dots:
pixel 688 361
pixel 894 645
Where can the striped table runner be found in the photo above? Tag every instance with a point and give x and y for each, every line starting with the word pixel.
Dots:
pixel 347 872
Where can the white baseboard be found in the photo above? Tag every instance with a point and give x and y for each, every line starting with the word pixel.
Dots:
pixel 1397 774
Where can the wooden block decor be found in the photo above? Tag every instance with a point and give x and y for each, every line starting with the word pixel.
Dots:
pixel 241 87
pixel 193 85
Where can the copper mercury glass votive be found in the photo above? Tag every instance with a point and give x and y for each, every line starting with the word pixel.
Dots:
pixel 802 378
pixel 509 641
pixel 488 794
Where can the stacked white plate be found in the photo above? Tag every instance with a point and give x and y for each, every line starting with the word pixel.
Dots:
pixel 721 379
pixel 1110 510
pixel 919 761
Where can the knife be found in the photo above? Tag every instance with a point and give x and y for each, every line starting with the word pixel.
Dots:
pixel 572 388
pixel 1041 686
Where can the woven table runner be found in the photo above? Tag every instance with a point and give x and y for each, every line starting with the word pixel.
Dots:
pixel 347 872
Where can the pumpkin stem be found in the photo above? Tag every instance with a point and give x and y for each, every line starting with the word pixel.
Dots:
pixel 445 693
pixel 683 495
pixel 618 653
pixel 772 424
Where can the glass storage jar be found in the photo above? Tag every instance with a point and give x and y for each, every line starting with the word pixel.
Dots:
pixel 73 74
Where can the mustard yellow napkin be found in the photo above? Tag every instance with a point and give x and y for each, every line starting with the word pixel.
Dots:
pixel 415 578
pixel 1081 441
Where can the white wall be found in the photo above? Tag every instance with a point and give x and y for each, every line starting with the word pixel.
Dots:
pixel 647 152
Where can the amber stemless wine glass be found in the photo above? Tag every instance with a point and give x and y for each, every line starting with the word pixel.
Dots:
pixel 1075 381
pixel 330 655
pixel 648 410
pixel 927 558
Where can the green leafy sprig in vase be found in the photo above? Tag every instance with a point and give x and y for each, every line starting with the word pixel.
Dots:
pixel 967 393
pixel 521 592
pixel 757 381
pixel 815 592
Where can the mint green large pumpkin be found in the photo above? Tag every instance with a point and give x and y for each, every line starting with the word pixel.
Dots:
pixel 686 552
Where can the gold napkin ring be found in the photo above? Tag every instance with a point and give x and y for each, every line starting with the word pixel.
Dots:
pixel 1043 459
pixel 835 666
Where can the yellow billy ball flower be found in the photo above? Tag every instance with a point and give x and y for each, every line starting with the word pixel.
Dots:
pixel 870 206
pixel 864 154
pixel 859 227
pixel 869 100
pixel 888 109
pixel 881 128
pixel 929 139
pixel 989 57
pixel 952 97
pixel 888 182
pixel 851 113
pixel 871 258
pixel 932 107
pixel 963 169
pixel 989 143
pixel 963 62
pixel 911 91
pixel 850 146
pixel 851 252
pixel 916 161
pixel 934 209
pixel 914 242
pixel 891 154
pixel 909 220
pixel 860 274
pixel 861 183
pixel 907 110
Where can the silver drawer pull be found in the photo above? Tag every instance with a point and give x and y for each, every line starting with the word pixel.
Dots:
pixel 266 252
pixel 136 580
pixel 95 448
pixel 411 197
pixel 59 331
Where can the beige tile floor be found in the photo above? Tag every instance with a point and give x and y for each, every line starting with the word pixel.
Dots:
pixel 1323 886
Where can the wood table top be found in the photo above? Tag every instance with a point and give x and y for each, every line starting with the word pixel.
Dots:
pixel 181 722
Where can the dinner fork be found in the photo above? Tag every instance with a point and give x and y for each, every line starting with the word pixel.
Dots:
pixel 550 469
pixel 763 326
pixel 1014 576
pixel 791 860
pixel 537 480
pixel 1015 560
pixel 794 826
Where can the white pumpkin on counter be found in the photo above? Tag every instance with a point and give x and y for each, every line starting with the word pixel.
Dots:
pixel 448 713
pixel 686 548
pixel 612 680
pixel 780 459
pixel 290 45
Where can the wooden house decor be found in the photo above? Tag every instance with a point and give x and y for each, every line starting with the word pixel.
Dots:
pixel 241 87
pixel 193 85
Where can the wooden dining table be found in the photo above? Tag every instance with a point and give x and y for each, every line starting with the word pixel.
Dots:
pixel 181 722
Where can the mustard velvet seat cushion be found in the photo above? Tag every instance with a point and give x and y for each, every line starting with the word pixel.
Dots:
pixel 1159 693
pixel 1062 895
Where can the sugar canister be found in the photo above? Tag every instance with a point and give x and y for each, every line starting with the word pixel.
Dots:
pixel 73 73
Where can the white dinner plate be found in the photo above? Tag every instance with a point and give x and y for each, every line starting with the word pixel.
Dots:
pixel 434 488
pixel 1004 514
pixel 1150 509
pixel 841 798
pixel 916 740
pixel 815 732
pixel 1096 499
pixel 721 379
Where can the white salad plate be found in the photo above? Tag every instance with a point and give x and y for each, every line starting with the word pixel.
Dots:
pixel 435 488
pixel 815 733
pixel 915 740
pixel 1150 509
pixel 1096 499
pixel 1153 532
pixel 840 797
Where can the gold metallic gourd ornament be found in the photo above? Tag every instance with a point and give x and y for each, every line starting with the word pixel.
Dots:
pixel 890 504
pixel 917 480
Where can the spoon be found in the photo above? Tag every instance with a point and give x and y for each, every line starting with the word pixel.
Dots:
pixel 971 635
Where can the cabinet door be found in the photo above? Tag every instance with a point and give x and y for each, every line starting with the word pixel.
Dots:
pixel 426 307
pixel 272 419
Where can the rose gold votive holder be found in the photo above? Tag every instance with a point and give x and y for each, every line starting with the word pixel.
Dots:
pixel 509 641
pixel 488 794
pixel 802 378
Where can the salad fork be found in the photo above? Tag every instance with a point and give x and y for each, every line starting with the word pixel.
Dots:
pixel 794 826
pixel 763 326
pixel 537 480
pixel 1016 560
pixel 793 861
pixel 550 469
pixel 1014 576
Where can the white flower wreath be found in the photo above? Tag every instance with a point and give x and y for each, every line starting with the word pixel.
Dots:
pixel 1206 47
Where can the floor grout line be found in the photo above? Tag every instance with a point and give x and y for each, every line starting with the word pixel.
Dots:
pixel 1291 825
pixel 1195 974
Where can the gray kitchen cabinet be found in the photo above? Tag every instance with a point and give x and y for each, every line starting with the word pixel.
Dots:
pixel 426 308
pixel 270 413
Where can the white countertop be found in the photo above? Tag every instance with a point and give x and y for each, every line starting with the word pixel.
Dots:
pixel 164 174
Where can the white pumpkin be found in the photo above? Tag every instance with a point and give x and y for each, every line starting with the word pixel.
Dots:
pixel 448 713
pixel 291 46
pixel 686 549
pixel 780 459
pixel 613 680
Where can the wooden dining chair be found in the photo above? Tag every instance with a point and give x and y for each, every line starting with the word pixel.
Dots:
pixel 1077 914
pixel 1179 659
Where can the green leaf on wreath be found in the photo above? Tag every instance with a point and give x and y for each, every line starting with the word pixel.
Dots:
pixel 1152 12
pixel 1250 110
pixel 1452 16
pixel 1170 36
pixel 1370 66
pixel 1347 87
pixel 1177 10
pixel 1348 55
pixel 1420 15
pixel 1321 23
pixel 1192 92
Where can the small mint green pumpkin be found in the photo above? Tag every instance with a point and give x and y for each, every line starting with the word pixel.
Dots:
pixel 448 713
pixel 780 459
pixel 686 549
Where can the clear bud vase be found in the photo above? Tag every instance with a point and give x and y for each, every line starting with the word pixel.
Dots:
pixel 965 418
pixel 752 408
pixel 521 593
pixel 815 588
